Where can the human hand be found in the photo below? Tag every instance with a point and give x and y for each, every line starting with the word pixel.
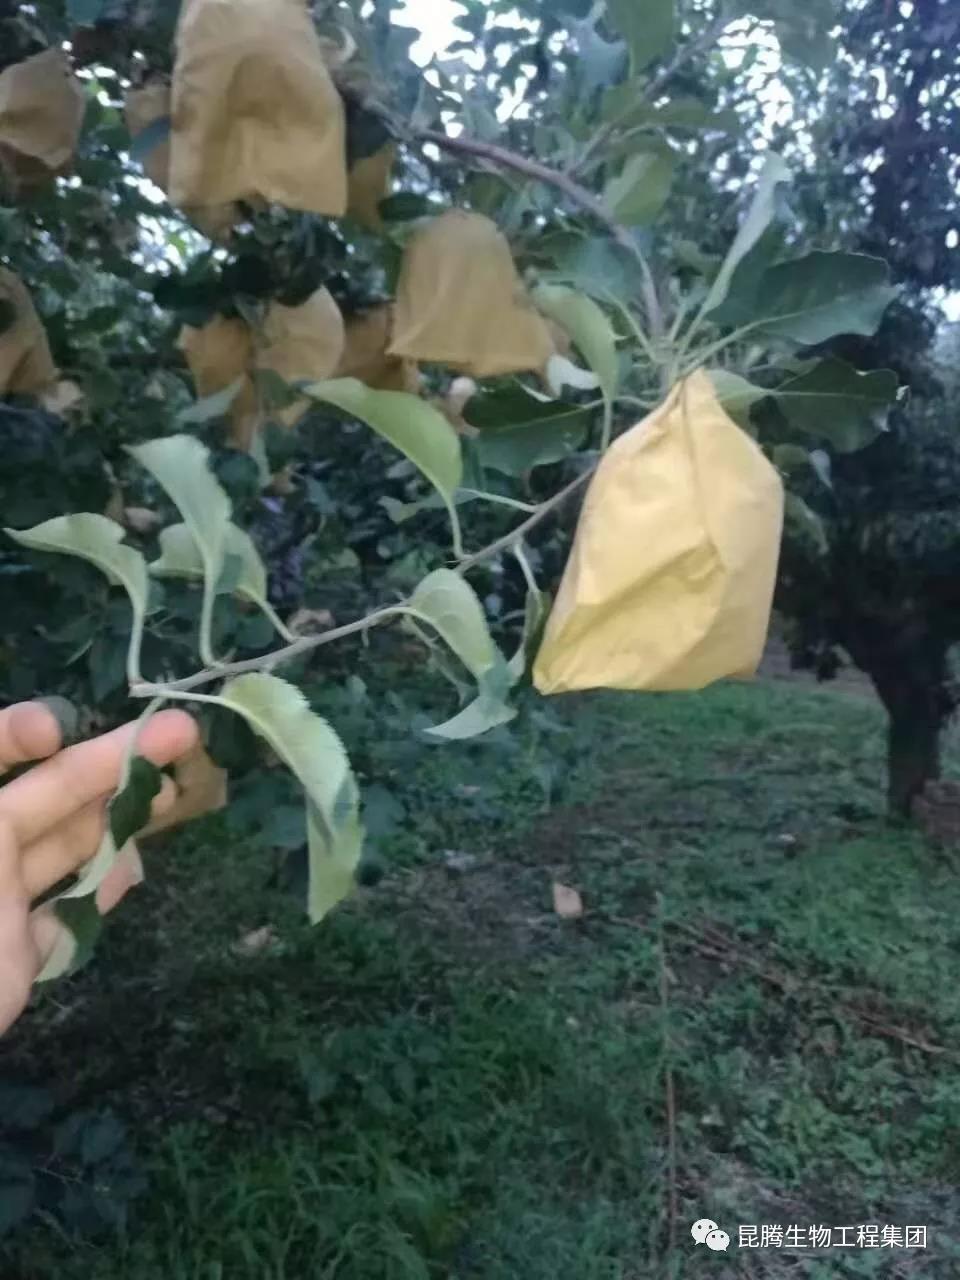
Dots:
pixel 52 820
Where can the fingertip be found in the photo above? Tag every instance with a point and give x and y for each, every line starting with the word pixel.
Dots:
pixel 28 731
pixel 168 736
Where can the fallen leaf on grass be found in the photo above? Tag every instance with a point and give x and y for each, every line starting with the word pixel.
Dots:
pixel 567 902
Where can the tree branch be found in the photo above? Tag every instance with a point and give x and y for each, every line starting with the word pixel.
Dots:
pixel 513 538
pixel 306 644
pixel 652 91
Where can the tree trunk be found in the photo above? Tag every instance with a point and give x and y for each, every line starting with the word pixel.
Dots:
pixel 913 754
pixel 911 674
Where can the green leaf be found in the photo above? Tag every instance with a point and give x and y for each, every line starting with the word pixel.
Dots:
pixel 405 206
pixel 99 541
pixel 450 605
pixel 416 428
pixel 736 394
pixel 637 195
pixel 647 26
pixel 210 407
pixel 279 713
pixel 243 574
pixel 82 925
pixel 836 403
pixel 180 464
pixel 588 327
pixel 791 458
pixel 479 717
pixel 803 524
pixel 520 431
pixel 625 107
pixel 129 810
pixel 761 213
pixel 127 813
pixel 810 300
pixel 536 613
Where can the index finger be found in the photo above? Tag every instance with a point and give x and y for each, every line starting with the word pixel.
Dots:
pixel 28 731
pixel 60 787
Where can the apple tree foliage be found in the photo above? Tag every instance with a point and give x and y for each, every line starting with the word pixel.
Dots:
pixel 617 146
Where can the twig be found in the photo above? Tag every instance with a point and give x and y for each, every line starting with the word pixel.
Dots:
pixel 669 1088
pixel 509 540
pixel 708 36
pixel 304 645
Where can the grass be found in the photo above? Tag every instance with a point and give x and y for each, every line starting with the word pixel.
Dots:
pixel 448 1080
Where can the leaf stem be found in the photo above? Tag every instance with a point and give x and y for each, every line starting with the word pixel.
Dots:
pixel 707 353
pixel 305 644
pixel 501 500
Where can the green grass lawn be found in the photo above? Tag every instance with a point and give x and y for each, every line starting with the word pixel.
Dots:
pixel 449 1080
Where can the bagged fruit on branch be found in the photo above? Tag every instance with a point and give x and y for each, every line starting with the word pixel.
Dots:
pixel 670 581
pixel 461 302
pixel 42 105
pixel 255 112
pixel 26 365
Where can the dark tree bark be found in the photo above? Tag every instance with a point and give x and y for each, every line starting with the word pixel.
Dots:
pixel 914 691
pixel 913 756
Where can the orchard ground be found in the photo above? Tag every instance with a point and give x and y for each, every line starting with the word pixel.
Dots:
pixel 449 1080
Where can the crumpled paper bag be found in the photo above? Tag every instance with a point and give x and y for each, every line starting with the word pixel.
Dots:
pixel 297 343
pixel 26 365
pixel 255 110
pixel 301 343
pixel 670 581
pixel 367 338
pixel 460 301
pixel 145 106
pixel 42 105
pixel 368 183
pixel 218 354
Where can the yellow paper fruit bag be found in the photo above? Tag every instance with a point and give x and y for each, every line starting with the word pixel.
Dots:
pixel 202 787
pixel 26 365
pixel 217 355
pixel 301 343
pixel 255 111
pixel 368 183
pixel 142 108
pixel 670 581
pixel 460 301
pixel 367 338
pixel 41 113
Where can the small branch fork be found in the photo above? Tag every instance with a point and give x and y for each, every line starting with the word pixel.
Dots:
pixel 306 644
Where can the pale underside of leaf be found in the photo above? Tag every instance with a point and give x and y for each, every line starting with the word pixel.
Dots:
pixel 416 428
pixel 761 213
pixel 309 746
pixel 450 605
pixel 589 329
pixel 99 541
